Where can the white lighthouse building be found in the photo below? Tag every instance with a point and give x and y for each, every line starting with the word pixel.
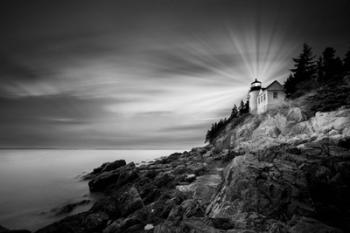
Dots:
pixel 263 99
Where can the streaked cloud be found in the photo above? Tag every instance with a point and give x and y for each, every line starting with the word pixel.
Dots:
pixel 134 74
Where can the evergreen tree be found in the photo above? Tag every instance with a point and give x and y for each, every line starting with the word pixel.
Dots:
pixel 304 71
pixel 290 85
pixel 331 69
pixel 304 65
pixel 241 108
pixel 319 68
pixel 346 63
pixel 246 106
pixel 235 112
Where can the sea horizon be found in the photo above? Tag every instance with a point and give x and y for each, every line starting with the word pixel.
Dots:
pixel 51 179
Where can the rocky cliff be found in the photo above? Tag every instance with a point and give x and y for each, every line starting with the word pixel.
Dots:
pixel 281 172
pixel 285 125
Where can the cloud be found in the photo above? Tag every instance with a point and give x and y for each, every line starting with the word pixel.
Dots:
pixel 143 74
pixel 13 72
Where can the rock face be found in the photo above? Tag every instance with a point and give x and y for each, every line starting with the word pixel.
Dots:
pixel 283 183
pixel 284 173
pixel 288 126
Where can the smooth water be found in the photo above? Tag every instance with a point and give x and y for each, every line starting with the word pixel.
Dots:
pixel 33 182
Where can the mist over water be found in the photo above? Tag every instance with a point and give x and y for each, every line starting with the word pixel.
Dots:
pixel 33 182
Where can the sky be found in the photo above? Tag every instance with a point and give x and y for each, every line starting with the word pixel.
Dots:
pixel 149 74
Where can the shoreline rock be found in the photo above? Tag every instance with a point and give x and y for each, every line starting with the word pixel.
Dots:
pixel 282 188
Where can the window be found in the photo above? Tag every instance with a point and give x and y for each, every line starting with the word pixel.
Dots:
pixel 275 95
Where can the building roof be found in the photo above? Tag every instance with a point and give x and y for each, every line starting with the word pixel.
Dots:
pixel 274 86
pixel 256 81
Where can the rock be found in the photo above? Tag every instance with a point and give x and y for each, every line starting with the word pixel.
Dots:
pixel 289 172
pixel 66 209
pixel 129 201
pixel 104 168
pixel 301 128
pixel 161 209
pixel 345 143
pixel 131 224
pixel 148 227
pixel 164 179
pixel 95 221
pixel 171 158
pixel 80 223
pixel 203 188
pixel 309 225
pixel 229 156
pixel 295 115
pixel 114 165
pixel 149 193
pixel 190 178
pixel 102 181
pixel 180 169
pixel 198 168
pixel 192 208
pixel 326 121
pixel 166 227
pixel 274 132
pixel 108 205
pixel 117 178
pixel 197 226
pixel 151 174
pixel 223 223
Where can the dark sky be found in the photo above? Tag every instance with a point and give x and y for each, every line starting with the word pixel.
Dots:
pixel 146 74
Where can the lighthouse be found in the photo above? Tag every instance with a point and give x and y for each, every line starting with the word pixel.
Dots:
pixel 255 87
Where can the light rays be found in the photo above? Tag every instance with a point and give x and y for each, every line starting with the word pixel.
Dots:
pixel 263 48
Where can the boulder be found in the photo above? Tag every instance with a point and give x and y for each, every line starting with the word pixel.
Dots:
pixel 148 227
pixel 104 168
pixel 190 178
pixel 80 223
pixel 108 205
pixel 129 225
pixel 129 200
pixel 164 179
pixel 166 227
pixel 68 208
pixel 113 165
pixel 295 115
pixel 326 121
pixel 117 178
pixel 192 208
pixel 149 193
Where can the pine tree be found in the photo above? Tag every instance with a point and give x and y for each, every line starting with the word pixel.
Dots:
pixel 246 106
pixel 319 68
pixel 241 108
pixel 331 68
pixel 290 85
pixel 234 113
pixel 304 71
pixel 346 63
pixel 304 65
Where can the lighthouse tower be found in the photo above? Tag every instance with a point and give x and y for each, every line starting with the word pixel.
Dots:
pixel 253 94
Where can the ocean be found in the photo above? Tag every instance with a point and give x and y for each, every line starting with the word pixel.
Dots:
pixel 34 182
